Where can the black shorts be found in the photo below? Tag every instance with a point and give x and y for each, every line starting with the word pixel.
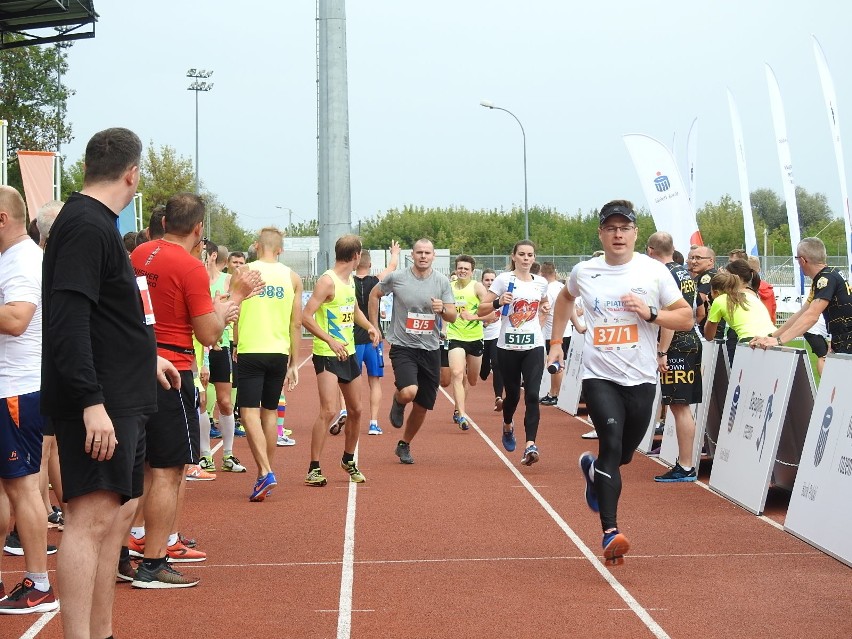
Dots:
pixel 172 433
pixel 566 343
pixel 681 384
pixel 474 348
pixel 261 379
pixel 345 370
pixel 445 353
pixel 48 429
pixel 818 344
pixel 220 366
pixel 420 368
pixel 123 474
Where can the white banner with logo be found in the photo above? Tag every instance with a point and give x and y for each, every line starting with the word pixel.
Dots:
pixel 664 189
pixel 752 420
pixel 647 443
pixel 572 381
pixel 834 122
pixel 691 159
pixel 779 121
pixel 745 197
pixel 820 510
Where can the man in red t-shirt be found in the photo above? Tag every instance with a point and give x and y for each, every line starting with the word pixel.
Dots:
pixel 180 296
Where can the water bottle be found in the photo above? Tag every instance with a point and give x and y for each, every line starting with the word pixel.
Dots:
pixel 555 367
pixel 509 290
pixel 381 355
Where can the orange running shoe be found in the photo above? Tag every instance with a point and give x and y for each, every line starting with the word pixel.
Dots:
pixel 180 554
pixel 197 473
pixel 136 546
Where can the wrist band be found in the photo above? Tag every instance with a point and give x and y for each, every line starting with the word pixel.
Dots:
pixel 496 303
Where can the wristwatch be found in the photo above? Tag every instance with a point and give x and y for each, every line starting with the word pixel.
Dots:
pixel 661 354
pixel 653 311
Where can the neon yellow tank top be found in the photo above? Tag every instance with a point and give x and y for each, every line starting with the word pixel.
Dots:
pixel 466 299
pixel 337 317
pixel 265 318
pixel 218 288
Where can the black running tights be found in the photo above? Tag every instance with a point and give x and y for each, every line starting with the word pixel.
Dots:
pixel 621 416
pixel 515 365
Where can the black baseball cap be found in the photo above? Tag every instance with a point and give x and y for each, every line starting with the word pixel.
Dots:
pixel 616 209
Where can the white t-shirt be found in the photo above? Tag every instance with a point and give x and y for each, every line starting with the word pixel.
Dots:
pixel 619 345
pixel 520 330
pixel 553 289
pixel 20 357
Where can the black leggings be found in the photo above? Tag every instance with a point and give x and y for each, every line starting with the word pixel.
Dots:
pixel 621 415
pixel 489 364
pixel 529 365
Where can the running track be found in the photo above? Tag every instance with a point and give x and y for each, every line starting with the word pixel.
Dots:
pixel 468 543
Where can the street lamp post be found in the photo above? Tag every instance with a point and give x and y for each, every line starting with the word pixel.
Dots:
pixel 289 217
pixel 490 105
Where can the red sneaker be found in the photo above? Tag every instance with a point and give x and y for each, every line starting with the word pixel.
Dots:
pixel 24 599
pixel 178 553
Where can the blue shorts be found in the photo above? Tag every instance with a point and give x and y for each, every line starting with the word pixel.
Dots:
pixel 21 435
pixel 372 357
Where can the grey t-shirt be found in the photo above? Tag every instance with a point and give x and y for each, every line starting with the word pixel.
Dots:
pixel 413 324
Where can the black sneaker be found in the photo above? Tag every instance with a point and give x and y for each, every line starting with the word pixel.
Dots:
pixel 549 400
pixel 163 577
pixel 677 473
pixel 397 413
pixel 55 519
pixel 403 451
pixel 13 545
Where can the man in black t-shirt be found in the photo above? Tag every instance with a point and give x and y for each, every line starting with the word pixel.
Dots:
pixel 830 295
pixel 99 365
pixel 679 363
pixel 365 352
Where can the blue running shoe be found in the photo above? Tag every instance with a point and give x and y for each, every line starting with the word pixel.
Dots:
pixel 263 487
pixel 215 433
pixel 615 546
pixel 509 439
pixel 586 461
pixel 530 455
pixel 239 431
pixel 463 423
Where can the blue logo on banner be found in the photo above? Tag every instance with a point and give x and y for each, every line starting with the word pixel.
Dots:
pixel 661 182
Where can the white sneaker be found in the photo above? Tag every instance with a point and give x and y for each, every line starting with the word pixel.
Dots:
pixel 592 434
pixel 283 440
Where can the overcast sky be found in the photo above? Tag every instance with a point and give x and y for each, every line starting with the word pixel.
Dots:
pixel 577 75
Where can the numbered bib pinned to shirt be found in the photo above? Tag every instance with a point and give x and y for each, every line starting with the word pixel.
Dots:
pixel 420 323
pixel 616 335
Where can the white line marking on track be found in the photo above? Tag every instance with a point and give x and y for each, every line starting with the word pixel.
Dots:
pixel 347 574
pixel 42 621
pixel 616 585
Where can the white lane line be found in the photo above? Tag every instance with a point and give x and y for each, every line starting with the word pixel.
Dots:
pixel 42 621
pixel 347 573
pixel 616 585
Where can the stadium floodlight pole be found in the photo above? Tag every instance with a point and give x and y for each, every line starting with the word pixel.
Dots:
pixel 198 86
pixel 488 104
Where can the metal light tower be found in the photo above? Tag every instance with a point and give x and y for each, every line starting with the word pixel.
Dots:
pixel 490 105
pixel 197 86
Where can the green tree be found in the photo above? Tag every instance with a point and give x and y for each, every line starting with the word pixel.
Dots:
pixel 72 178
pixel 33 102
pixel 162 174
pixel 721 225
pixel 767 206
